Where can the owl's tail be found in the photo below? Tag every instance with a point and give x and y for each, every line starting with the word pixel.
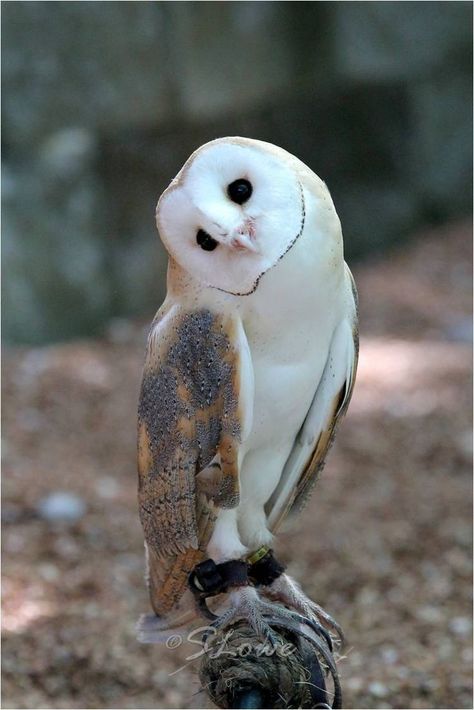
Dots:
pixel 173 604
pixel 155 629
pixel 168 578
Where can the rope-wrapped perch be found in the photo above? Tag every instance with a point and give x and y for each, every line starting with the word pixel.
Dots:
pixel 240 670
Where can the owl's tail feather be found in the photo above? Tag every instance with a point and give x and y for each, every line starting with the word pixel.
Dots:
pixel 167 575
pixel 168 580
pixel 171 600
pixel 155 629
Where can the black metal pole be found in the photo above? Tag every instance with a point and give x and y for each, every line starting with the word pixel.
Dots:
pixel 248 698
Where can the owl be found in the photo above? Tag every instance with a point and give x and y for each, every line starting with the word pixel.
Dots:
pixel 250 364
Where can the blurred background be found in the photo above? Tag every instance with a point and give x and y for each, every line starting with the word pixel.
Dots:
pixel 102 104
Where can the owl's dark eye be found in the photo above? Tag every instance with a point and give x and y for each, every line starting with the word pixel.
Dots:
pixel 205 241
pixel 239 191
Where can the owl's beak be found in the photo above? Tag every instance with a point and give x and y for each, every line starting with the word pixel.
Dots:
pixel 244 241
pixel 242 237
pixel 239 236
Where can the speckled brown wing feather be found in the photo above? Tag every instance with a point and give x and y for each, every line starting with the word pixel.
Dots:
pixel 188 422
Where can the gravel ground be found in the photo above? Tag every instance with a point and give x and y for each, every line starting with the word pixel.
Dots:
pixel 384 544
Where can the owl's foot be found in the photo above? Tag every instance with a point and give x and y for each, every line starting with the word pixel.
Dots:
pixel 262 616
pixel 285 591
pixel 236 577
pixel 210 580
pixel 246 605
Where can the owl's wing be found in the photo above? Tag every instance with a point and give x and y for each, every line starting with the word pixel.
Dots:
pixel 192 416
pixel 329 403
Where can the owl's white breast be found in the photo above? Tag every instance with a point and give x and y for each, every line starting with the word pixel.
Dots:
pixel 289 322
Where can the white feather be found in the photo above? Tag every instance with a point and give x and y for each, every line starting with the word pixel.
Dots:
pixel 338 373
pixel 296 325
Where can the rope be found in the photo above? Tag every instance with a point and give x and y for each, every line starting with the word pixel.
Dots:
pixel 240 670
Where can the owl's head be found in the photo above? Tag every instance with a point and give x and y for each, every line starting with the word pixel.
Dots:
pixel 231 213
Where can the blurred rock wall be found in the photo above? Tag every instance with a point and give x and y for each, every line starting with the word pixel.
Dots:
pixel 103 102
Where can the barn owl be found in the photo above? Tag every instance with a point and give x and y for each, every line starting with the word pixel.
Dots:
pixel 250 364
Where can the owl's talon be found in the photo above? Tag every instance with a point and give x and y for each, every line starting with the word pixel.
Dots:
pixel 313 624
pixel 285 591
pixel 247 606
pixel 260 615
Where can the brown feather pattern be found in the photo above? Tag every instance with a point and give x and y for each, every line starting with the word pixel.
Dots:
pixel 188 413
